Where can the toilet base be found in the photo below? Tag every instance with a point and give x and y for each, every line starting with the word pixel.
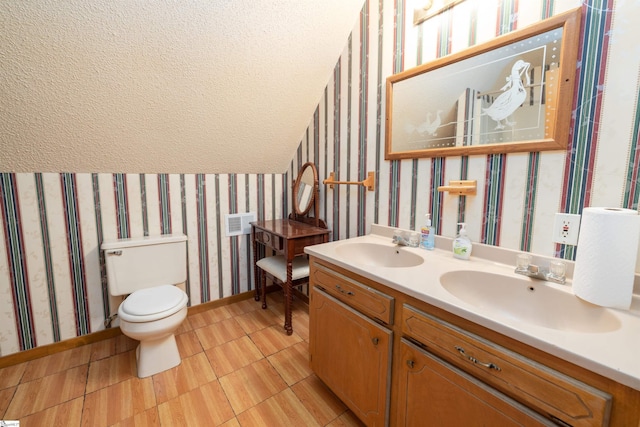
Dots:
pixel 157 350
pixel 155 356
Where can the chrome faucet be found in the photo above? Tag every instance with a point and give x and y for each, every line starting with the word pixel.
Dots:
pixel 555 273
pixel 401 238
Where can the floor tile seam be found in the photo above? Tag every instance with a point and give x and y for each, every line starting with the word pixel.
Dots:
pixel 346 408
pixel 254 405
pixel 337 417
pixel 83 395
pixel 206 356
pixel 206 323
pixel 49 374
pixel 9 386
pixel 226 397
pixel 54 406
pixel 23 371
pixel 109 385
pixel 247 332
pixel 133 416
pixel 15 390
pixel 298 400
pixel 116 351
pixel 84 402
pixel 203 346
pixel 281 377
pixel 155 399
pixel 264 356
pixel 238 368
pixel 263 327
pixel 224 391
pixel 254 308
pixel 155 393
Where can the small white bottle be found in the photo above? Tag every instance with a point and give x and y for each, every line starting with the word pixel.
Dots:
pixel 462 244
pixel 427 235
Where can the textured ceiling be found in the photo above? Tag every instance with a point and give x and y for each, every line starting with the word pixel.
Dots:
pixel 173 86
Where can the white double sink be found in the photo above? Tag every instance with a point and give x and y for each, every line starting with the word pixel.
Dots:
pixel 487 291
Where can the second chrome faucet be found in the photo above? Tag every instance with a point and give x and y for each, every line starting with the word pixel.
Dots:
pixel 556 272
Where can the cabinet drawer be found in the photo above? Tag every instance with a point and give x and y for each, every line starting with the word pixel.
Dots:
pixel 365 299
pixel 269 240
pixel 436 393
pixel 549 392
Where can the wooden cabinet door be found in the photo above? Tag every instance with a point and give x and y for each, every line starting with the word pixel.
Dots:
pixel 432 392
pixel 352 355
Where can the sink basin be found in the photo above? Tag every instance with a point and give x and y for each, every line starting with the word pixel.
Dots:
pixel 377 255
pixel 528 301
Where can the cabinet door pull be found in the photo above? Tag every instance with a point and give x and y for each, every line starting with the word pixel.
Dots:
pixel 410 364
pixel 476 361
pixel 375 341
pixel 342 291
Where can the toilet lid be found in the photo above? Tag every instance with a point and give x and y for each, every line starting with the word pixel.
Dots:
pixel 153 300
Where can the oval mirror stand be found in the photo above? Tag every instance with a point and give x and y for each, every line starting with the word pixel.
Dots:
pixel 306 196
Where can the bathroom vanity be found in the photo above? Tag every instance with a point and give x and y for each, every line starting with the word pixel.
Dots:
pixel 399 349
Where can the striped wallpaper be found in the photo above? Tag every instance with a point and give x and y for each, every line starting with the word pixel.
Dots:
pixel 52 273
pixel 52 277
pixel 519 193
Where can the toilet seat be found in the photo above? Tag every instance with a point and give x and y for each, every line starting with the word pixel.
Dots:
pixel 147 305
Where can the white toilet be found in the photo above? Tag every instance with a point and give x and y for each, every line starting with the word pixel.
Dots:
pixel 146 269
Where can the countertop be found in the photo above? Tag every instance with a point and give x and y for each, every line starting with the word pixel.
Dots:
pixel 613 354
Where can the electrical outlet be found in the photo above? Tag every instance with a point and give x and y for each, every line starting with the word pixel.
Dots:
pixel 565 228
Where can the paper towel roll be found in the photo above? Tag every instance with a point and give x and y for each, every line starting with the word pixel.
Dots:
pixel 606 256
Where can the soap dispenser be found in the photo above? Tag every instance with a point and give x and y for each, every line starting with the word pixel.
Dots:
pixel 462 243
pixel 427 235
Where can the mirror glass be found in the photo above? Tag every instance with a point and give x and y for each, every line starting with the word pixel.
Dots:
pixel 507 95
pixel 304 189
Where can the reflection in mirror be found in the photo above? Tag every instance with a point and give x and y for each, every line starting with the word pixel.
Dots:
pixel 305 196
pixel 511 94
pixel 305 193
pixel 305 190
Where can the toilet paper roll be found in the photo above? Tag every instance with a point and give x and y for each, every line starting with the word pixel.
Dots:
pixel 606 256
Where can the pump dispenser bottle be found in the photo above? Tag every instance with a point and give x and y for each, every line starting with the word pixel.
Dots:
pixel 427 235
pixel 462 244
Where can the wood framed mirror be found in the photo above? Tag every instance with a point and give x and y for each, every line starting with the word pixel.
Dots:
pixel 511 94
pixel 305 196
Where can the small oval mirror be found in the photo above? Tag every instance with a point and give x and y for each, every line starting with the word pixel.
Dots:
pixel 305 189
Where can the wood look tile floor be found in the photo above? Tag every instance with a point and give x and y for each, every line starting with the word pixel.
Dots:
pixel 238 368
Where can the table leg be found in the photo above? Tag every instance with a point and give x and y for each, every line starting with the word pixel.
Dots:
pixel 263 288
pixel 256 277
pixel 288 299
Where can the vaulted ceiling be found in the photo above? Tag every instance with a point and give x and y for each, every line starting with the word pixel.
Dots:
pixel 172 86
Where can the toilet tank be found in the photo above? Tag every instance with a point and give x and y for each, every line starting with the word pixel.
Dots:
pixel 145 262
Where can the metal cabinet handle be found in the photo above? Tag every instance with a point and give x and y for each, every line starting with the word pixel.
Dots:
pixel 116 253
pixel 476 361
pixel 342 291
pixel 375 341
pixel 410 364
